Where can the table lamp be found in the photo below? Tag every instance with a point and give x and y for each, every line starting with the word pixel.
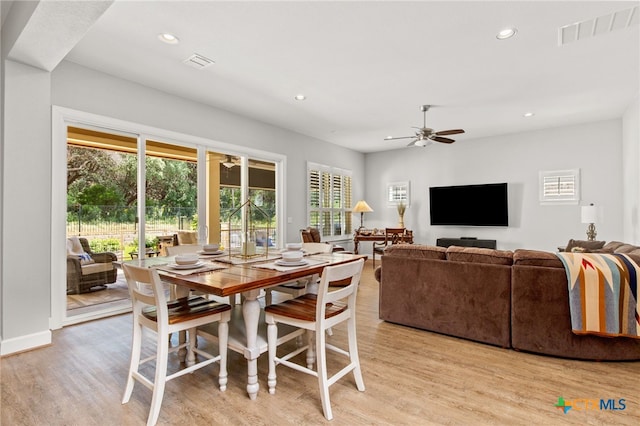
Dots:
pixel 589 214
pixel 362 207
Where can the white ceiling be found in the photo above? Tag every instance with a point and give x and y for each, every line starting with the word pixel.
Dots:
pixel 366 67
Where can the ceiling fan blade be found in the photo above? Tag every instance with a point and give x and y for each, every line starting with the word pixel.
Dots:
pixel 413 143
pixel 450 132
pixel 443 140
pixel 403 137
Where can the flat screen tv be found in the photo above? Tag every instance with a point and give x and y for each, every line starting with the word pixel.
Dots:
pixel 469 205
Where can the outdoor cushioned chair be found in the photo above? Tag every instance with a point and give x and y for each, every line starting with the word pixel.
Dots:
pixel 86 269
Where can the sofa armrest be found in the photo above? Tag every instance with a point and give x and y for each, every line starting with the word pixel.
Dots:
pixel 105 257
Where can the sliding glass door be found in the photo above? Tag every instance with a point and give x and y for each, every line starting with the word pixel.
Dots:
pixel 189 189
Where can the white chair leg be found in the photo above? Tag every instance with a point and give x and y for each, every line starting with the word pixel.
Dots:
pixel 191 354
pixel 223 338
pixel 353 353
pixel 311 350
pixel 322 375
pixel 272 338
pixel 136 345
pixel 160 379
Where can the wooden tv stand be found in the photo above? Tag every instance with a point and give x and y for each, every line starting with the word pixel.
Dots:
pixel 466 242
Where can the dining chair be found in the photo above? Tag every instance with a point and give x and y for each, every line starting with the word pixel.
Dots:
pixel 183 249
pixel 151 310
pixel 391 236
pixel 316 314
pixel 300 286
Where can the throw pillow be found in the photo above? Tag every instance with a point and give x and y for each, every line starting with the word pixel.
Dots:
pixel 85 259
pixel 587 245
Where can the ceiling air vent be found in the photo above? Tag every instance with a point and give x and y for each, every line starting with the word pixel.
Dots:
pixel 598 26
pixel 198 61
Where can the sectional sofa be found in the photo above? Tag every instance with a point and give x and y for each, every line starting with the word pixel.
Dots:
pixel 515 300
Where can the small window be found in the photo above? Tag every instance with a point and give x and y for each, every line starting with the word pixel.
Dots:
pixel 560 187
pixel 398 192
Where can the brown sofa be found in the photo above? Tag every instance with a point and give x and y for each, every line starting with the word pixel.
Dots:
pixel 510 299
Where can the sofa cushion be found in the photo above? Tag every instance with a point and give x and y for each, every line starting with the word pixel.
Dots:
pixel 625 248
pixel 611 246
pixel 536 258
pixel 479 255
pixel 417 251
pixel 587 245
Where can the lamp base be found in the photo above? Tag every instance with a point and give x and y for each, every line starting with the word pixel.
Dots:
pixel 591 232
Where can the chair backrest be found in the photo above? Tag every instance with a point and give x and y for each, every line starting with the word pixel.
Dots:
pixel 146 289
pixel 189 248
pixel 187 237
pixel 340 274
pixel 310 235
pixel 312 248
pixel 394 235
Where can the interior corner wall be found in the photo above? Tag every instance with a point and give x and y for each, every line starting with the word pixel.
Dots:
pixel 631 173
pixel 595 148
pixel 26 198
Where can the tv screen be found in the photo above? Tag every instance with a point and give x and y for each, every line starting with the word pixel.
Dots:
pixel 469 205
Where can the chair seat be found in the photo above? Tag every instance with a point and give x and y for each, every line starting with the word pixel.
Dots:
pixel 187 308
pixel 303 308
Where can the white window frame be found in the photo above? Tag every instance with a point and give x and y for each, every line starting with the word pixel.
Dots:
pixel 398 192
pixel 345 209
pixel 559 186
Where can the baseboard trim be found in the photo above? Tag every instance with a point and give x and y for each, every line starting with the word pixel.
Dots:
pixel 25 343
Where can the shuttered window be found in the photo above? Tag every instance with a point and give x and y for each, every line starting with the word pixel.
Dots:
pixel 329 200
pixel 560 186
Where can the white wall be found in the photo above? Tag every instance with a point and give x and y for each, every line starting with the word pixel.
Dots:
pixel 26 220
pixel 631 174
pixel 595 148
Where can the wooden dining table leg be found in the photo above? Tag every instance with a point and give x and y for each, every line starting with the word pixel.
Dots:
pixel 251 315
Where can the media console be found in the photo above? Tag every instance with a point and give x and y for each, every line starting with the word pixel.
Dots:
pixel 466 242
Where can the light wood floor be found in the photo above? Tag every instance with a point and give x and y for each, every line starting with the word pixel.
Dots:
pixel 412 377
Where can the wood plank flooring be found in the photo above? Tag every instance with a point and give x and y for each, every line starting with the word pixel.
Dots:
pixel 412 377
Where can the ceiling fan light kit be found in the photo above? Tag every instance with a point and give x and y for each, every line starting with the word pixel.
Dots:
pixel 426 136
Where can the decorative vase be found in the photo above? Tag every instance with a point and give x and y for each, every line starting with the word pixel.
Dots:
pixel 401 209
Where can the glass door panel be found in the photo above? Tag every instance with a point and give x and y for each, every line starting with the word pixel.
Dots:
pixel 101 211
pixel 171 197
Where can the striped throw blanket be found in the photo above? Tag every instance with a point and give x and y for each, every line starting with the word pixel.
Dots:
pixel 603 294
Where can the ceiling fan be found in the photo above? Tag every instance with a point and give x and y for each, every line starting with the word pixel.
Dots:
pixel 228 162
pixel 426 136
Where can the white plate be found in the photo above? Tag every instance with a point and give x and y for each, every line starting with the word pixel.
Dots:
pixel 211 253
pixel 296 263
pixel 191 266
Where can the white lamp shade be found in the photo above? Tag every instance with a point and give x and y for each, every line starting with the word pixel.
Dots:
pixel 362 207
pixel 589 214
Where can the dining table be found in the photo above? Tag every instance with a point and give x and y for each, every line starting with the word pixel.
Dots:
pixel 227 276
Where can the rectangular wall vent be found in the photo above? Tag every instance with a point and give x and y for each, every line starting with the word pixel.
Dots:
pixel 598 26
pixel 198 61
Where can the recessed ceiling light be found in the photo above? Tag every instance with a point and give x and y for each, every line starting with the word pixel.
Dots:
pixel 300 97
pixel 168 38
pixel 506 33
pixel 528 114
